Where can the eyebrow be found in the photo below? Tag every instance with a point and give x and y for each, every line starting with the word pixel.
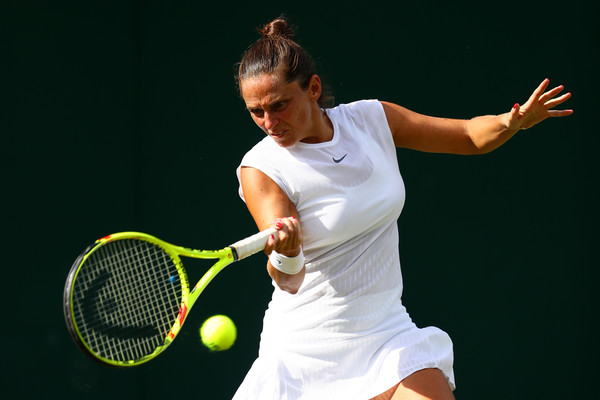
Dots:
pixel 251 107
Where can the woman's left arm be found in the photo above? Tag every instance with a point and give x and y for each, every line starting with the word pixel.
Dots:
pixel 475 136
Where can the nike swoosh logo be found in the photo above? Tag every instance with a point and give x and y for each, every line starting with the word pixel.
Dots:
pixel 339 160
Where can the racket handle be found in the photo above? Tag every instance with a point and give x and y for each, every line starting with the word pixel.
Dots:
pixel 252 244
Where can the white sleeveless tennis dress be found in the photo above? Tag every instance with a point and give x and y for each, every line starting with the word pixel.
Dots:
pixel 345 334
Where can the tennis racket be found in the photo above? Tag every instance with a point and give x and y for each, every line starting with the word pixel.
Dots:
pixel 127 295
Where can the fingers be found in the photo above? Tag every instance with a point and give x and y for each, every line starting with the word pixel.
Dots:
pixel 559 100
pixel 510 119
pixel 288 238
pixel 537 93
pixel 547 99
pixel 559 113
pixel 538 107
pixel 550 94
pixel 515 110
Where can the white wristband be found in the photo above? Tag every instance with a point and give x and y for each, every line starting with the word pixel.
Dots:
pixel 288 265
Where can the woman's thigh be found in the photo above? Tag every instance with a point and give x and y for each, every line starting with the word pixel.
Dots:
pixel 426 384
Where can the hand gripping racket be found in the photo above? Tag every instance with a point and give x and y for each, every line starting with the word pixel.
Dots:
pixel 127 295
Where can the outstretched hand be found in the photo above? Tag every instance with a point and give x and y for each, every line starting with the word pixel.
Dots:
pixel 537 108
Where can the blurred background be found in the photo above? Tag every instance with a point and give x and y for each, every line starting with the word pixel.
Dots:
pixel 124 115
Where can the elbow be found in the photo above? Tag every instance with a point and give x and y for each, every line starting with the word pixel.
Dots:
pixel 288 283
pixel 290 289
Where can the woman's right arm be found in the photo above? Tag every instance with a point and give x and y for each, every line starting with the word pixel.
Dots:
pixel 271 207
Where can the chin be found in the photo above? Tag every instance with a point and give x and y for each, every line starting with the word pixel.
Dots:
pixel 285 140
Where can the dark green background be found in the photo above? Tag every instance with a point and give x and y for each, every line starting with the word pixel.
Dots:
pixel 123 115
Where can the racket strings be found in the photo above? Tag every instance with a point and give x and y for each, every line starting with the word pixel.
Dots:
pixel 126 298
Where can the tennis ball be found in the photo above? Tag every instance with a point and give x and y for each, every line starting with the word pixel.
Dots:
pixel 218 333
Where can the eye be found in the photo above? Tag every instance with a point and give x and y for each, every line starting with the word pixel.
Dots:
pixel 256 112
pixel 280 105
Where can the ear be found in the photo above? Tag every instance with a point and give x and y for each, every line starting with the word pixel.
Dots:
pixel 314 87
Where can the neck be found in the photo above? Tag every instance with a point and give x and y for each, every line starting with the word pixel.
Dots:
pixel 323 128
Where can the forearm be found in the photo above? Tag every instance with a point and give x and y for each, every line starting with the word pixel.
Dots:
pixel 286 267
pixel 270 207
pixel 489 132
pixel 475 136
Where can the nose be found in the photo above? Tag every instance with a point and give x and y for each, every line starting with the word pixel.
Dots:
pixel 270 121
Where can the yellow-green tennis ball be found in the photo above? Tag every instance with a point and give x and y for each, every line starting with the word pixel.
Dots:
pixel 218 333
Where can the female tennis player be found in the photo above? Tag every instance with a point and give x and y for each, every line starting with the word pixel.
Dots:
pixel 328 180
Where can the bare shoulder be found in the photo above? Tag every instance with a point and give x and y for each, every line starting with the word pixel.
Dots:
pixel 402 121
pixel 427 133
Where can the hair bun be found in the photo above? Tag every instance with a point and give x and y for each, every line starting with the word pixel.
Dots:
pixel 278 27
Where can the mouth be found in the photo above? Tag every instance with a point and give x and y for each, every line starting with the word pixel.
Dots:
pixel 277 135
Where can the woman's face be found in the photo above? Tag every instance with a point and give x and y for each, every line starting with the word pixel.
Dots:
pixel 284 111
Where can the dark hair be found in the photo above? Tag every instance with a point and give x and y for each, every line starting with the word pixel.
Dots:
pixel 276 51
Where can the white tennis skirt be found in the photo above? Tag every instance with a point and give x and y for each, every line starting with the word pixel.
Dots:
pixel 358 368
